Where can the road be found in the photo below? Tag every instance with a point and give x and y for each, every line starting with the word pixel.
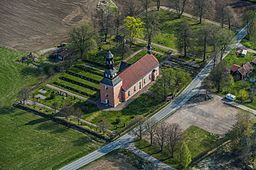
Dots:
pixel 125 140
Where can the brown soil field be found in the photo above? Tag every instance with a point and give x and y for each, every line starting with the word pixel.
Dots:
pixel 31 25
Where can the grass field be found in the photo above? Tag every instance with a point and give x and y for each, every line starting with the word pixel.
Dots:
pixel 28 141
pixel 232 58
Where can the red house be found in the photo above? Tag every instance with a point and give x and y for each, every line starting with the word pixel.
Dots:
pixel 116 88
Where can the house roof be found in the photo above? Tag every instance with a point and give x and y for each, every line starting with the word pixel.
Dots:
pixel 138 70
pixel 234 67
pixel 245 69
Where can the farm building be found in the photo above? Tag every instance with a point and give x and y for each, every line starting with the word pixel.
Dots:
pixel 119 87
pixel 240 72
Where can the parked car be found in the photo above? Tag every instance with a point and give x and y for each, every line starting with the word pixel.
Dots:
pixel 230 97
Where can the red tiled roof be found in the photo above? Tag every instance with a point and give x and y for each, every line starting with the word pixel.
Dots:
pixel 234 67
pixel 138 70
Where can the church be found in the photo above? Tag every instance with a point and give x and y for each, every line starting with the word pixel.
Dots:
pixel 117 87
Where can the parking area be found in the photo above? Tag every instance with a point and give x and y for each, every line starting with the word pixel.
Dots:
pixel 213 116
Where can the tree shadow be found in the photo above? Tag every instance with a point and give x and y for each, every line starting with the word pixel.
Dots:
pixel 6 110
pixel 82 141
pixel 31 71
pixel 52 127
pixel 37 121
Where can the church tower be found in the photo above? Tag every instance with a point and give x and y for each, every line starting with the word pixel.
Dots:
pixel 110 86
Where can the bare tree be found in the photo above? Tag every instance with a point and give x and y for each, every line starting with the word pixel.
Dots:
pixel 55 106
pixel 184 35
pixel 78 113
pixel 66 111
pixel 179 6
pixel 201 7
pixel 103 126
pixel 150 126
pixel 152 26
pixel 139 130
pixel 160 135
pixel 174 136
pixel 205 37
pixel 83 38
pixel 23 95
pixel 158 4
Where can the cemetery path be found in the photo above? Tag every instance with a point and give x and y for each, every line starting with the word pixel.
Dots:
pixel 158 45
pixel 70 94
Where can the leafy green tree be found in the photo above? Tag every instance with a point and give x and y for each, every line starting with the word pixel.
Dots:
pixel 242 95
pixel 83 39
pixel 185 155
pixel 219 77
pixel 134 26
pixel 222 39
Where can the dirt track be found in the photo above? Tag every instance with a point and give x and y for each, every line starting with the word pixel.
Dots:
pixel 31 25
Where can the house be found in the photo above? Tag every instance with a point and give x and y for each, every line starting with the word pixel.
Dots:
pixel 116 88
pixel 242 52
pixel 240 72
pixel 61 54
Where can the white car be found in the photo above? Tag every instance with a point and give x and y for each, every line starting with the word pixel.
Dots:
pixel 230 97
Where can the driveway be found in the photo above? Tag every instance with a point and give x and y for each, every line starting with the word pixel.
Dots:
pixel 213 116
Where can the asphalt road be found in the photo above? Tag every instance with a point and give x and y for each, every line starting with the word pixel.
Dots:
pixel 177 103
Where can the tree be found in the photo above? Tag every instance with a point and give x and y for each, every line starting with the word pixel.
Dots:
pixel 139 130
pixel 242 136
pixel 219 77
pixel 150 126
pixel 55 106
pixel 66 111
pixel 134 26
pixel 205 37
pixel 78 113
pixel 183 38
pixel 201 7
pixel 250 18
pixel 23 95
pixel 179 6
pixel 158 4
pixel 103 126
pixel 174 136
pixel 83 39
pixel 242 95
pixel 152 26
pixel 160 135
pixel 185 155
pixel 223 38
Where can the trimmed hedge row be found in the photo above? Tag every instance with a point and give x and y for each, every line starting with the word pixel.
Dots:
pixel 95 63
pixel 90 70
pixel 82 77
pixel 75 90
pixel 78 83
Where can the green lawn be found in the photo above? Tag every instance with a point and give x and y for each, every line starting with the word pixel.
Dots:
pixel 232 58
pixel 248 43
pixel 198 140
pixel 28 141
